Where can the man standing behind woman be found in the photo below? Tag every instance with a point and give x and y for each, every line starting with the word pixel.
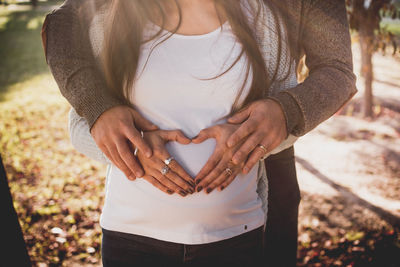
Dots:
pixel 317 28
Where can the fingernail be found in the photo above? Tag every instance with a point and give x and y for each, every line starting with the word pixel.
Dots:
pixel 209 190
pixel 245 170
pixel 182 193
pixel 132 177
pixel 221 188
pixel 139 174
pixel 169 191
pixel 229 144
pixel 198 181
pixel 199 188
pixel 148 154
pixel 189 191
pixel 192 184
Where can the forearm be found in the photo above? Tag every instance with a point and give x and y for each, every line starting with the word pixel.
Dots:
pixel 325 39
pixel 314 101
pixel 81 138
pixel 70 58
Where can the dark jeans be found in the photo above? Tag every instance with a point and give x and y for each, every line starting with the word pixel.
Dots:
pixel 126 250
pixel 283 203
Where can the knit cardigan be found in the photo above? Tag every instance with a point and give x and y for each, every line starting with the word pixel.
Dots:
pixel 317 28
pixel 79 128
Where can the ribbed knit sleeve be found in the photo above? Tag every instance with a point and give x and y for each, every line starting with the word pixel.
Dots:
pixel 325 40
pixel 70 58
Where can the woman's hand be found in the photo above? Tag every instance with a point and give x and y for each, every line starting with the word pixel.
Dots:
pixel 261 123
pixel 176 180
pixel 219 171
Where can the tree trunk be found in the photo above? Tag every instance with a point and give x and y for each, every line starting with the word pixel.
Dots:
pixel 366 44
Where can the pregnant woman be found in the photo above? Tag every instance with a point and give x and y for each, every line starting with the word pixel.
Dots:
pixel 186 84
pixel 186 66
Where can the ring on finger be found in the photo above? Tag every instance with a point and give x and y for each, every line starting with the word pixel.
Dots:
pixel 263 148
pixel 228 171
pixel 168 160
pixel 164 170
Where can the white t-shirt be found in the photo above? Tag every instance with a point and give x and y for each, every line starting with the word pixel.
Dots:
pixel 169 93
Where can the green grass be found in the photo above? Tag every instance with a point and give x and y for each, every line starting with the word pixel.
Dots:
pixel 20 49
pixel 392 26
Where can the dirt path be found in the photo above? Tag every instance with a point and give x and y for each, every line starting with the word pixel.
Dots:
pixel 349 168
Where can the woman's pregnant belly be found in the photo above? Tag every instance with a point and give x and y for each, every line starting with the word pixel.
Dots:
pixel 141 205
pixel 169 93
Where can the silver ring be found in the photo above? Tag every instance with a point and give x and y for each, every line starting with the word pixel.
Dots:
pixel 228 171
pixel 168 160
pixel 136 149
pixel 164 170
pixel 263 148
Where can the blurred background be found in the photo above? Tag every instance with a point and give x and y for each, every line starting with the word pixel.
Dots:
pixel 348 167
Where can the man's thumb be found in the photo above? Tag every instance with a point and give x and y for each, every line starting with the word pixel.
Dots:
pixel 239 117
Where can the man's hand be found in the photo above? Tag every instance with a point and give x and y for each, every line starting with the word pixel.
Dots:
pixel 116 132
pixel 262 123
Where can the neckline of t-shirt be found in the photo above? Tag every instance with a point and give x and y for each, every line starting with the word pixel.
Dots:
pixel 194 36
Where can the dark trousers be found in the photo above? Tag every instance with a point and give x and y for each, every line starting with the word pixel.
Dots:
pixel 127 250
pixel 283 203
pixel 13 248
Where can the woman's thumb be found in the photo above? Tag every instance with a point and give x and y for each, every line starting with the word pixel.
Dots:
pixel 202 136
pixel 175 135
pixel 142 123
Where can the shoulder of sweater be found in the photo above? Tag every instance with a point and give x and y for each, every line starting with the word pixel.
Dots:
pixel 84 9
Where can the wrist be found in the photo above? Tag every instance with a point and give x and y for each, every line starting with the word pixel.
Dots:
pixel 101 112
pixel 291 111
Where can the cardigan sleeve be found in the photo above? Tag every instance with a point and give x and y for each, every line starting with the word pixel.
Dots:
pixel 70 58
pixel 325 40
pixel 81 138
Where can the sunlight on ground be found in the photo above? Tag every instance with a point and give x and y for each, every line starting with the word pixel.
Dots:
pixel 348 167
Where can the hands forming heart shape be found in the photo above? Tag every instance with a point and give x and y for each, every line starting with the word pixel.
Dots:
pixel 237 150
pixel 237 146
pixel 177 180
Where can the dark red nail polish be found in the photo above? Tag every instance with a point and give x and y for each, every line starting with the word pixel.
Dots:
pixel 190 191
pixel 222 187
pixel 169 191
pixel 198 181
pixel 199 188
pixel 209 190
pixel 182 193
